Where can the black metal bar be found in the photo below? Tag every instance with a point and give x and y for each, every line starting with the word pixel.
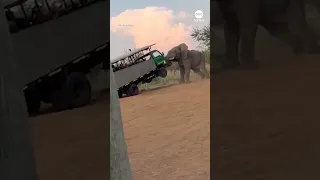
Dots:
pixel 24 11
pixel 72 4
pixel 37 5
pixel 49 8
pixel 65 3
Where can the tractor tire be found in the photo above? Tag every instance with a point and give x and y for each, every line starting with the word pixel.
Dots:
pixel 74 92
pixel 132 90
pixel 162 72
pixel 78 89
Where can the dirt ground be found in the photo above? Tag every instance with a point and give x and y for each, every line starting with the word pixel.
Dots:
pixel 72 145
pixel 266 122
pixel 167 132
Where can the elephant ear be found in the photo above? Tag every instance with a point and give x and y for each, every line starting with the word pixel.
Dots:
pixel 183 50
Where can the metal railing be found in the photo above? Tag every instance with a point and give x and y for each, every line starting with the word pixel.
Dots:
pixel 23 14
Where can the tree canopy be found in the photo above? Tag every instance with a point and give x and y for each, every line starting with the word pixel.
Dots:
pixel 202 36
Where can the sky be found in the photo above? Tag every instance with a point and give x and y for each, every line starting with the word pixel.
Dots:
pixel 137 23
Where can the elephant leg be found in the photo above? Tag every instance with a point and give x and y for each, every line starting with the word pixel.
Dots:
pixel 204 70
pixel 187 67
pixel 281 31
pixel 301 26
pixel 232 37
pixel 248 36
pixel 182 72
pixel 248 18
pixel 201 74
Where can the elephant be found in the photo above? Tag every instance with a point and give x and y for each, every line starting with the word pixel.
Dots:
pixel 188 60
pixel 242 17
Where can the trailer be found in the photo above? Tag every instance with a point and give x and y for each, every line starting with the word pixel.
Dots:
pixel 139 66
pixel 56 49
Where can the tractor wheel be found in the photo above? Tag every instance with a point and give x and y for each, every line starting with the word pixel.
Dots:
pixel 78 89
pixel 74 92
pixel 132 90
pixel 162 72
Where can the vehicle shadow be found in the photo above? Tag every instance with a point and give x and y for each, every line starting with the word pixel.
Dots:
pixel 143 92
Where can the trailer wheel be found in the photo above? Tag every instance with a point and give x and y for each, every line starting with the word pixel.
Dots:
pixel 162 72
pixel 132 90
pixel 78 89
pixel 33 103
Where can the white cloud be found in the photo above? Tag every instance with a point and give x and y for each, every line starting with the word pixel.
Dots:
pixel 154 25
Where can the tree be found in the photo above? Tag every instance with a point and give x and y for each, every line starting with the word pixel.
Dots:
pixel 16 151
pixel 119 161
pixel 202 36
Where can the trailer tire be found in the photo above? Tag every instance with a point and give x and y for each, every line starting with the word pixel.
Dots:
pixel 162 72
pixel 33 103
pixel 132 90
pixel 78 89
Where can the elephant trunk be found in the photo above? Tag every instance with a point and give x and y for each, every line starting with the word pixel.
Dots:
pixel 170 58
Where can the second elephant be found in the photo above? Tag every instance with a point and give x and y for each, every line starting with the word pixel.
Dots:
pixel 242 18
pixel 188 60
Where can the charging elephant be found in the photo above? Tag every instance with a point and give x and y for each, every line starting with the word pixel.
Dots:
pixel 242 18
pixel 188 60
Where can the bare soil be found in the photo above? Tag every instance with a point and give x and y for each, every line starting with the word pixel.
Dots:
pixel 167 132
pixel 266 122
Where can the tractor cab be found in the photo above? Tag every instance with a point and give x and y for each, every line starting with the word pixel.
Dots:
pixel 159 59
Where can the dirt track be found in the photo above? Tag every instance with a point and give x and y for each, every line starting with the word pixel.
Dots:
pixel 167 132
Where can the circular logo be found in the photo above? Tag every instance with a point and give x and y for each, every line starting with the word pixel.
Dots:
pixel 198 14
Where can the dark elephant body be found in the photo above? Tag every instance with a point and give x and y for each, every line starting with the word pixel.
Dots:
pixel 188 60
pixel 242 18
pixel 196 59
